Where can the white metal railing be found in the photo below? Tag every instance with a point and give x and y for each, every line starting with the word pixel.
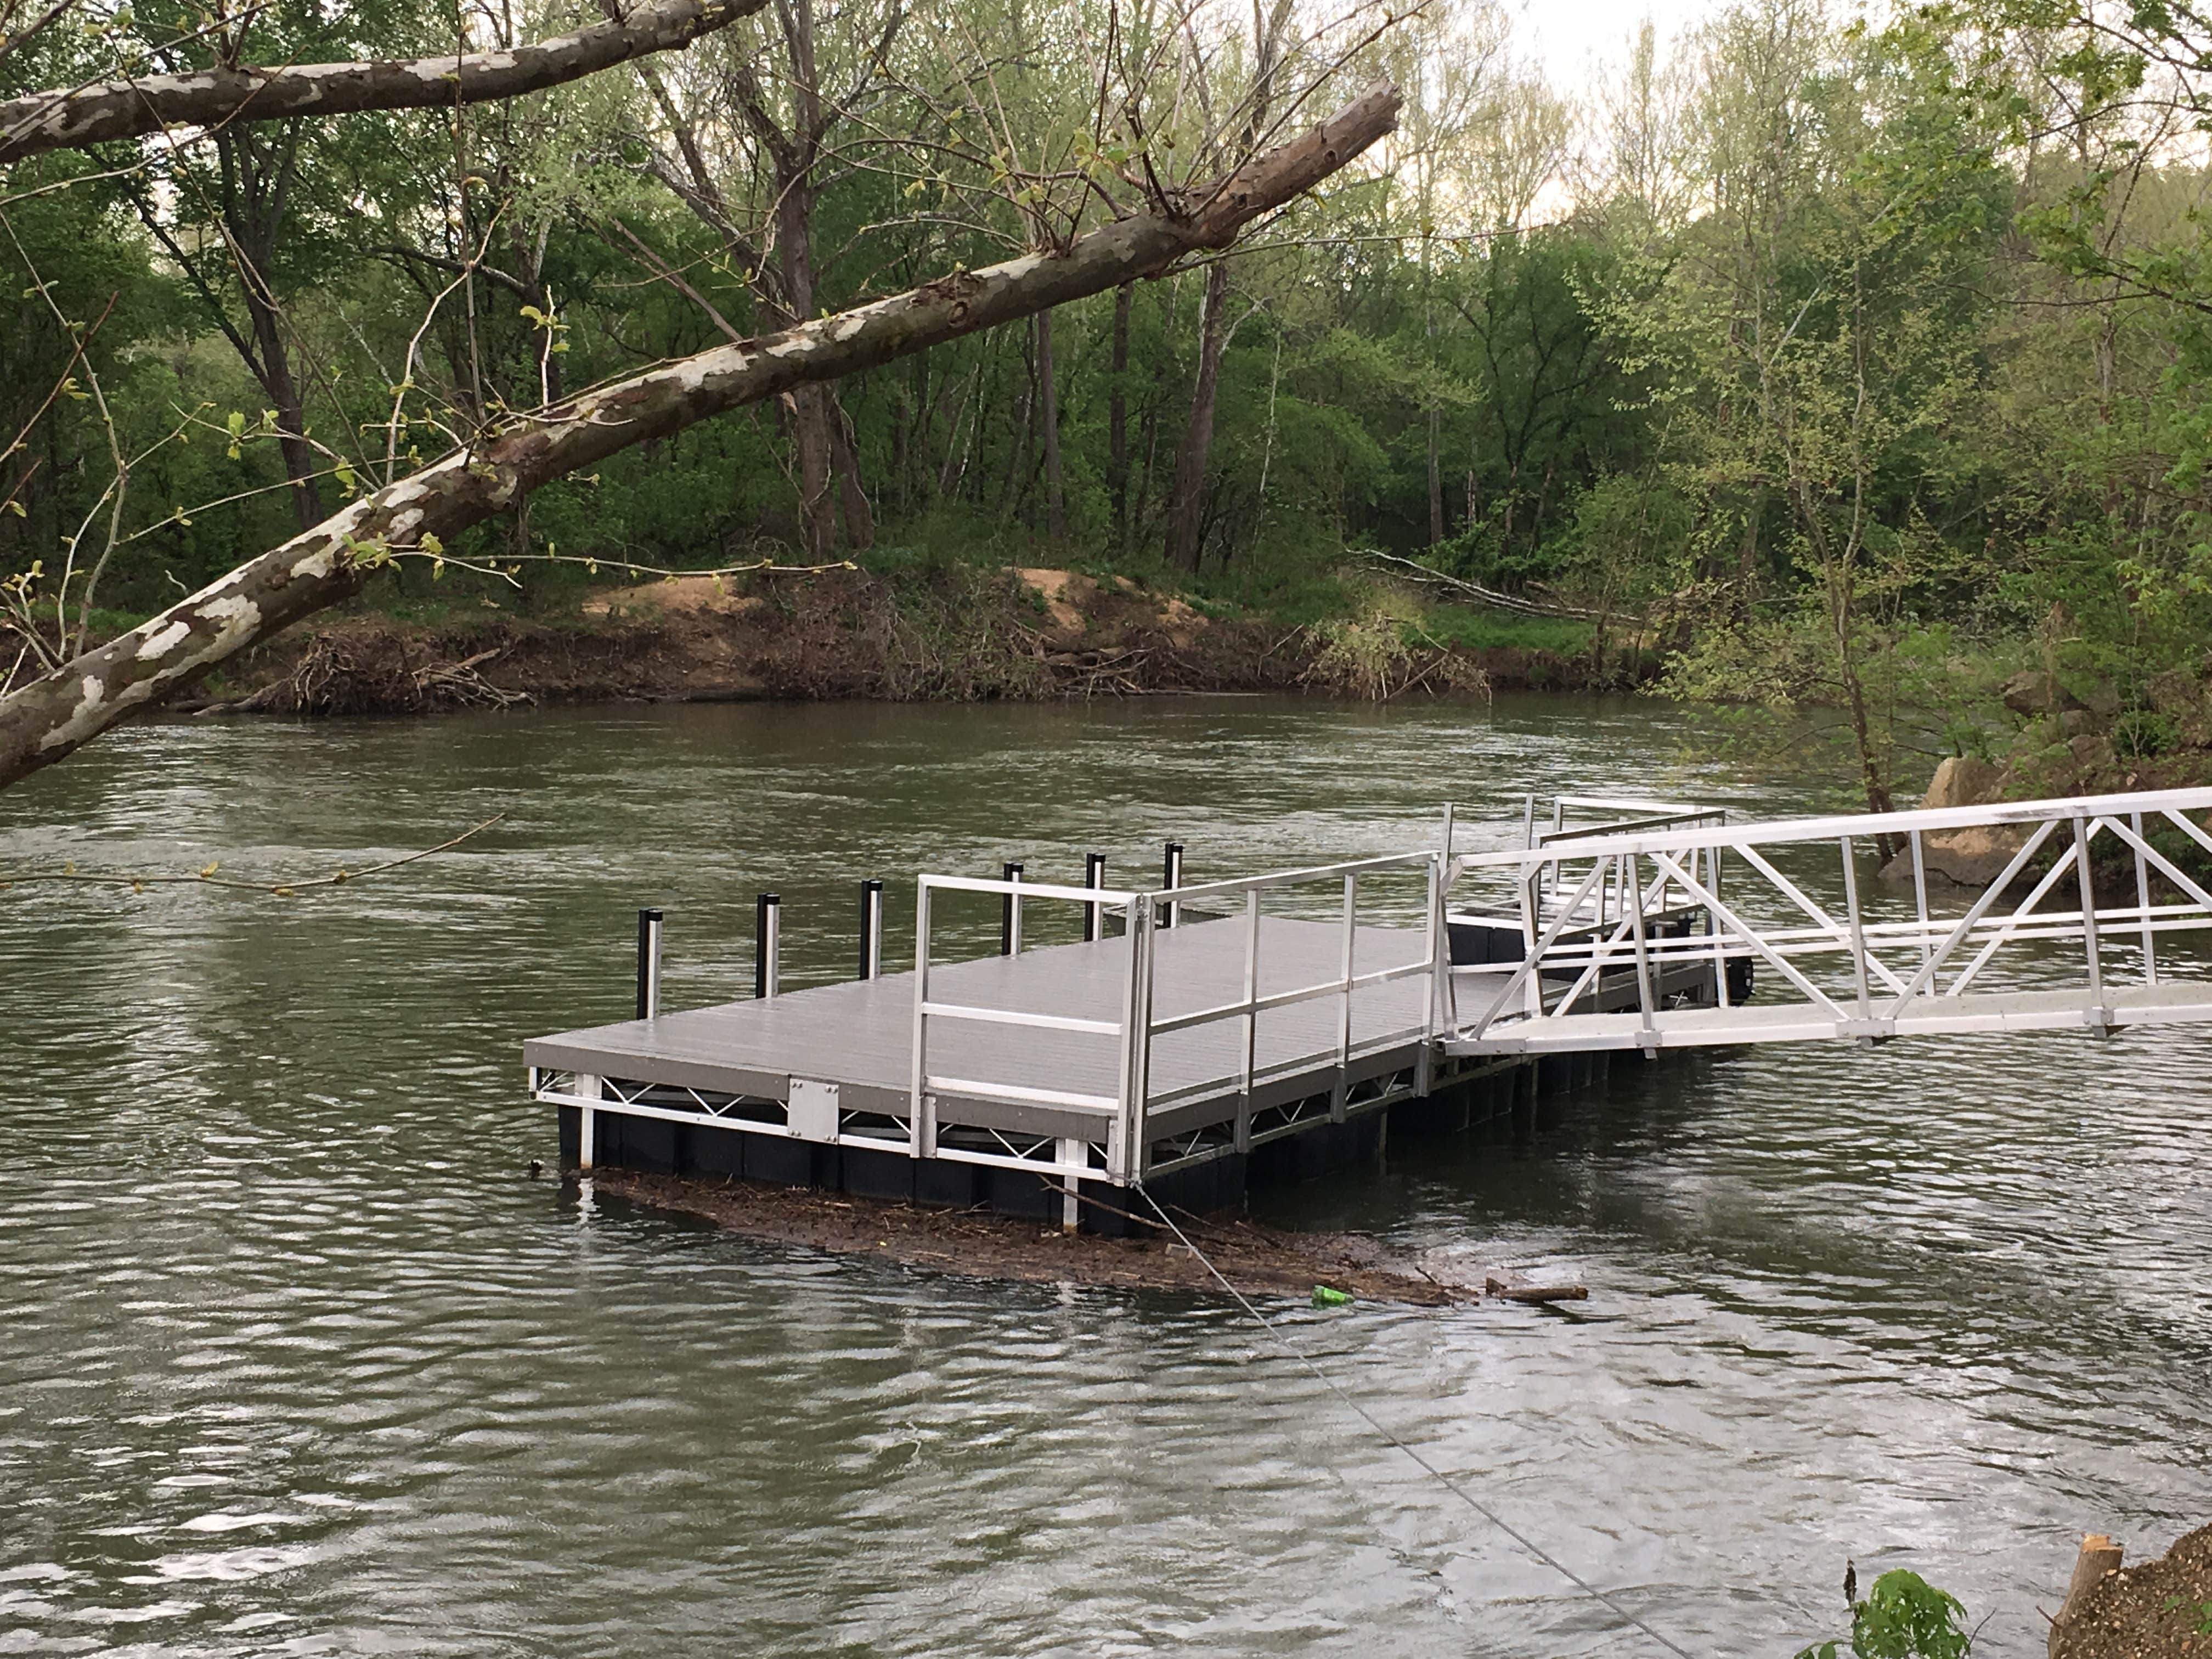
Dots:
pixel 1137 1029
pixel 1622 815
pixel 1884 975
pixel 926 1085
pixel 1344 986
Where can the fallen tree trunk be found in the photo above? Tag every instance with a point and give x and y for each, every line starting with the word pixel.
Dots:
pixel 69 116
pixel 52 716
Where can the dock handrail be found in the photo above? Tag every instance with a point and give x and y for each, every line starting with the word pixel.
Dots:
pixel 922 1123
pixel 1345 986
pixel 1137 1028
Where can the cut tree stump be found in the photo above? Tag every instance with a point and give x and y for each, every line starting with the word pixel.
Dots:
pixel 2100 1555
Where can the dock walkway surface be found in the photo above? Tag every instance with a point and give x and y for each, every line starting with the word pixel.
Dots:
pixel 859 1035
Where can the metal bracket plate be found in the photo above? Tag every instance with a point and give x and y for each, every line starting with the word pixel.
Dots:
pixel 812 1112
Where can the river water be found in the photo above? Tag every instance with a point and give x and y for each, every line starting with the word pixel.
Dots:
pixel 297 1357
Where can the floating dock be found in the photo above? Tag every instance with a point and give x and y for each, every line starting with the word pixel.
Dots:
pixel 1192 1039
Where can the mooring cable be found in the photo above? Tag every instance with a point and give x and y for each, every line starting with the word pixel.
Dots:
pixel 1372 1422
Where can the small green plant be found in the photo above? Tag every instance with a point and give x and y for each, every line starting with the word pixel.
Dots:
pixel 1903 1617
pixel 2203 1610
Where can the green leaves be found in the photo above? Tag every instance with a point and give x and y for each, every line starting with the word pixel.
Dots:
pixel 1903 1617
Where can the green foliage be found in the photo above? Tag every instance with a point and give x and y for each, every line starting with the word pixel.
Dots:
pixel 1817 379
pixel 2201 1609
pixel 1902 1617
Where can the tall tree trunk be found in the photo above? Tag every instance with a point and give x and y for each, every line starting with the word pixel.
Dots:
pixel 809 412
pixel 1188 491
pixel 1436 478
pixel 1056 501
pixel 1186 530
pixel 852 500
pixel 274 371
pixel 1117 419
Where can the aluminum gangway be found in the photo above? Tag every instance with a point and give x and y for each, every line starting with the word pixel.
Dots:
pixel 2040 948
pixel 1197 1021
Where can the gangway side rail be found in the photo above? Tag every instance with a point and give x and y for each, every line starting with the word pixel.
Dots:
pixel 1945 957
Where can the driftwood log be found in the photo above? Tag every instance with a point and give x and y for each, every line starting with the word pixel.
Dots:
pixel 49 717
pixel 69 116
pixel 1506 1292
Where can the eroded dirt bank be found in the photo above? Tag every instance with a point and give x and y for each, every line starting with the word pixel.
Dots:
pixel 961 633
pixel 2157 1609
pixel 1257 1260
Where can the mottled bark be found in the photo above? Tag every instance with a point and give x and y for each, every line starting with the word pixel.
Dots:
pixel 47 718
pixel 68 117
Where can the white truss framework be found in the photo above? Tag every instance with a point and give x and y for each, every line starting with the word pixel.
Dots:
pixel 1857 973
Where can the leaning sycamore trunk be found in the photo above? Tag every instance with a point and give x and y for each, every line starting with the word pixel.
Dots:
pixel 102 111
pixel 51 716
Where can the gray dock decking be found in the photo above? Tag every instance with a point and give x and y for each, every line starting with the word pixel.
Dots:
pixel 859 1035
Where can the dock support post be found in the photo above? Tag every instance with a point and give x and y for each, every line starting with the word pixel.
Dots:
pixel 1857 921
pixel 2142 902
pixel 1010 915
pixel 2090 943
pixel 872 928
pixel 1632 873
pixel 587 1088
pixel 1094 875
pixel 921 1114
pixel 1340 1095
pixel 1437 941
pixel 1171 876
pixel 1242 1130
pixel 1073 1155
pixel 648 964
pixel 1125 1147
pixel 768 943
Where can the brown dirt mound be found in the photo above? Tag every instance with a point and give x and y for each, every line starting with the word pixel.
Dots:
pixel 2162 1609
pixel 963 634
pixel 1258 1260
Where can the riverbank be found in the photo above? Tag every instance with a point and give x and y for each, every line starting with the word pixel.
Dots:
pixel 2160 1608
pixel 950 633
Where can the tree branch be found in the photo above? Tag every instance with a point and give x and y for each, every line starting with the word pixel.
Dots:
pixel 51 716
pixel 72 117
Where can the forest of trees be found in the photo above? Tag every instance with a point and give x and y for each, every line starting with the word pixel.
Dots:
pixel 1844 360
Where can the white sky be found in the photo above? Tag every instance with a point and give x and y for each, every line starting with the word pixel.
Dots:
pixel 1564 35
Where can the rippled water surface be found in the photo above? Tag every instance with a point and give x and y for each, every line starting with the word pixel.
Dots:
pixel 298 1359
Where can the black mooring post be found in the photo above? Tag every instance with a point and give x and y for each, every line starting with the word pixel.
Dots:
pixel 1171 876
pixel 1010 915
pixel 768 942
pixel 872 928
pixel 1094 875
pixel 648 963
